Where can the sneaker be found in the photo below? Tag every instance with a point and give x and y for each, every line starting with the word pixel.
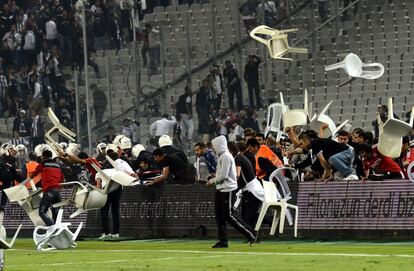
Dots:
pixel 115 236
pixel 104 236
pixel 220 245
pixel 351 177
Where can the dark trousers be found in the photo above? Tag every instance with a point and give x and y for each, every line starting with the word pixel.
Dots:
pixel 223 206
pixel 235 90
pixel 99 113
pixel 254 90
pixel 250 208
pixel 5 185
pixel 113 201
pixel 219 100
pixel 49 198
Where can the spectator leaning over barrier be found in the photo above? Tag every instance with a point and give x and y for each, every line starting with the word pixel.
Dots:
pixel 165 144
pixel 407 152
pixel 331 155
pixel 182 172
pixel 378 164
pixel 205 158
pixel 265 159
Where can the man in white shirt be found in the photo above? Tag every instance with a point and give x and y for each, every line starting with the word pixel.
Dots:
pixel 162 126
pixel 51 31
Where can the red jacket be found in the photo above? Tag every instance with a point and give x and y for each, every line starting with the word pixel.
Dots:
pixel 52 174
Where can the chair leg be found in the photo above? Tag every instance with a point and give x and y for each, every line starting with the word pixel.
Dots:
pixel 274 223
pixel 296 222
pixel 298 50
pixel 261 216
pixel 282 217
pixel 339 65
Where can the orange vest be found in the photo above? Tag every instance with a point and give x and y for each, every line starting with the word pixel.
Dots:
pixel 266 152
pixel 30 167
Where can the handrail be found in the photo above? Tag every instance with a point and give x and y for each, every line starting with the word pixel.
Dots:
pixel 195 70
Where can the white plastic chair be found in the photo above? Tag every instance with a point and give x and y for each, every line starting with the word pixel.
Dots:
pixel 318 120
pixel 278 43
pixel 295 117
pixel 274 120
pixel 272 197
pixel 28 200
pixel 57 128
pixel 354 67
pixel 85 197
pixel 58 236
pixel 391 133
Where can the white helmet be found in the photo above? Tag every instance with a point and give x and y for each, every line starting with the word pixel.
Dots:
pixel 73 149
pixel 164 140
pixel 125 143
pixel 136 150
pixel 3 148
pixel 117 140
pixel 101 148
pixel 112 147
pixel 38 150
pixel 21 149
pixel 9 148
pixel 63 145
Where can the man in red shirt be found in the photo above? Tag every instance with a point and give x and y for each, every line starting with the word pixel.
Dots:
pixel 52 176
pixel 373 160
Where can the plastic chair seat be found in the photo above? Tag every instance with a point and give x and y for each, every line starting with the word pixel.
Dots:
pixel 278 44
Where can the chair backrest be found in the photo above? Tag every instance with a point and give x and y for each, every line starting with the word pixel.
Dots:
pixel 270 192
pixel 275 119
pixel 295 117
pixel 279 176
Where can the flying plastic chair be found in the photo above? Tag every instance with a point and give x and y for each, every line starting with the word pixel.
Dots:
pixel 391 132
pixel 295 117
pixel 58 236
pixel 57 128
pixel 318 120
pixel 278 44
pixel 354 67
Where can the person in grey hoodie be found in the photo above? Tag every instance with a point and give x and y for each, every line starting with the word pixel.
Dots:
pixel 226 184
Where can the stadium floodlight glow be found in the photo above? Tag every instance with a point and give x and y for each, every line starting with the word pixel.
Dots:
pixel 295 117
pixel 391 132
pixel 354 67
pixel 278 43
pixel 319 120
pixel 57 236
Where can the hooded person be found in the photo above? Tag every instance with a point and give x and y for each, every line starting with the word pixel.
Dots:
pixel 225 181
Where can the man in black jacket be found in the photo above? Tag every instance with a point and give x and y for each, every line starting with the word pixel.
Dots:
pixel 251 76
pixel 233 85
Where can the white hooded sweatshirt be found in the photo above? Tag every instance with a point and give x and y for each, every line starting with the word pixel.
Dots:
pixel 225 179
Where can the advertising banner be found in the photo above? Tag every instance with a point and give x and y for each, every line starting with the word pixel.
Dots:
pixel 382 205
